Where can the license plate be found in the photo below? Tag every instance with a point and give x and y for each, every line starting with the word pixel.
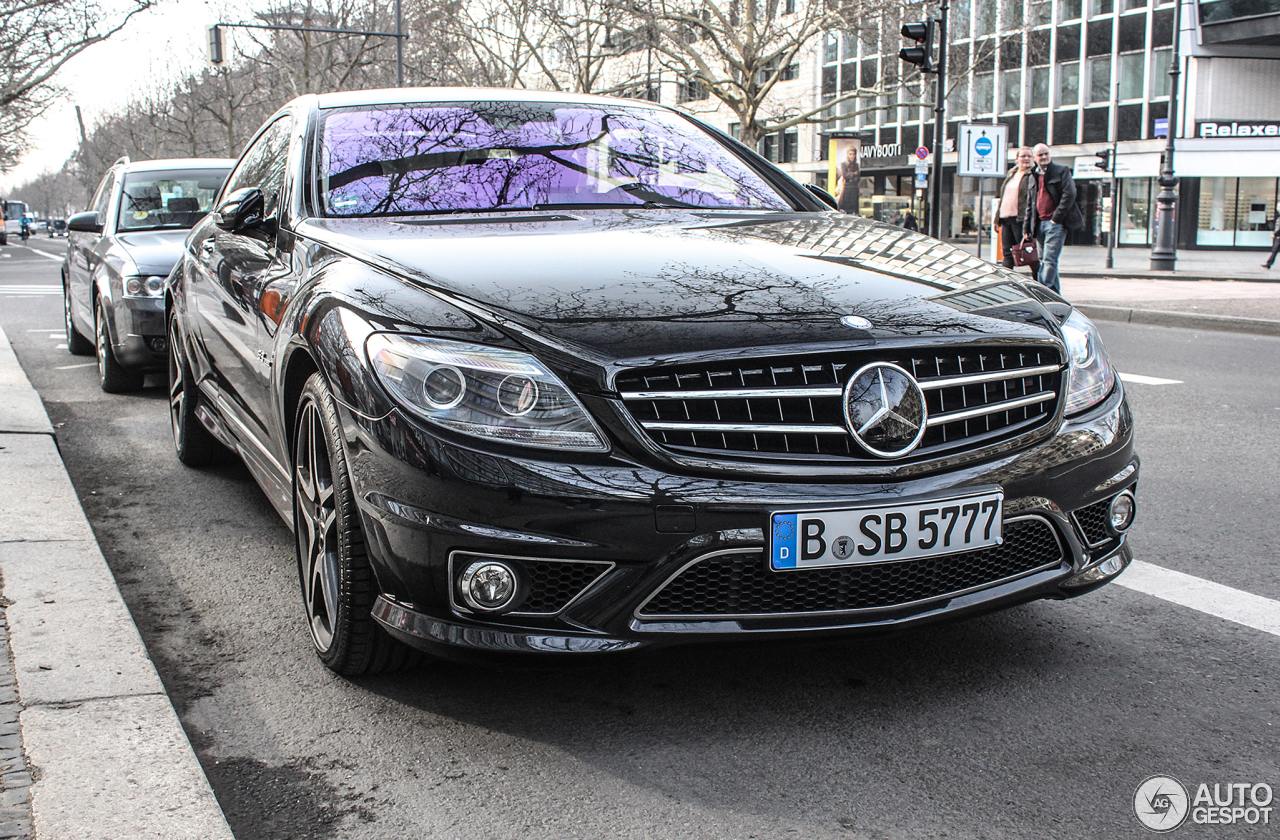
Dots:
pixel 809 539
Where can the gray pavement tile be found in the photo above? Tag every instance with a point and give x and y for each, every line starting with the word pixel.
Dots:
pixel 118 768
pixel 39 501
pixel 65 611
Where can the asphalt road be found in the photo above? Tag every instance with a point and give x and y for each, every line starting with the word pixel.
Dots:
pixel 1037 722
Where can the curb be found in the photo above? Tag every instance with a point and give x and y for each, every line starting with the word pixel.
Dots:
pixel 108 754
pixel 1188 320
pixel 1109 274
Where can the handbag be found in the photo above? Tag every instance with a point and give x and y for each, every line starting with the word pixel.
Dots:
pixel 1025 253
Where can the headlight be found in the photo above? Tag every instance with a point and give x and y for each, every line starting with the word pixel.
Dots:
pixel 144 286
pixel 1091 375
pixel 500 395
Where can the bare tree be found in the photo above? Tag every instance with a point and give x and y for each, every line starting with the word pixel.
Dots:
pixel 739 51
pixel 38 37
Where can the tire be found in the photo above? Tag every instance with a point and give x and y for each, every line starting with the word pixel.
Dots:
pixel 113 378
pixel 338 585
pixel 77 344
pixel 194 444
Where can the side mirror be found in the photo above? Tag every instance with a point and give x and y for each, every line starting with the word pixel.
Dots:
pixel 242 212
pixel 823 196
pixel 86 222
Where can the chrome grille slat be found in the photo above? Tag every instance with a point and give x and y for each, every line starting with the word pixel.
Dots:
pixel 792 407
pixel 995 408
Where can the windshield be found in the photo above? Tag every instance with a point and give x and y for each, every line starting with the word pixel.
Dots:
pixel 460 157
pixel 171 199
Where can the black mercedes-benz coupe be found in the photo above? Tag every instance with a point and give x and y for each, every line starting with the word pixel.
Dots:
pixel 536 372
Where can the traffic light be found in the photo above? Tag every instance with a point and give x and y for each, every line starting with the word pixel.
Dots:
pixel 1103 161
pixel 922 56
pixel 215 45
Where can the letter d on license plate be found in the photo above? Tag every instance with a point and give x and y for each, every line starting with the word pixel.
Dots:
pixel 811 539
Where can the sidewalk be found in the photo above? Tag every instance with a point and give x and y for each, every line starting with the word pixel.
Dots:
pixel 1217 290
pixel 95 749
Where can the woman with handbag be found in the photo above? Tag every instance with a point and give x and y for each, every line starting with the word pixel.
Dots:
pixel 1013 209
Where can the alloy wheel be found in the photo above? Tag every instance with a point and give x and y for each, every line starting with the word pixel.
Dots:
pixel 316 521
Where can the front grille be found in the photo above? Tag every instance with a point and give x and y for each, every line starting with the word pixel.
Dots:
pixel 793 407
pixel 550 584
pixel 740 584
pixel 1093 522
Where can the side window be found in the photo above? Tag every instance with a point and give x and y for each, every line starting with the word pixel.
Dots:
pixel 263 165
pixel 103 196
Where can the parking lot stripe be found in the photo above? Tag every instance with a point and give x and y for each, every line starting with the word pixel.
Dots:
pixel 1148 380
pixel 1204 596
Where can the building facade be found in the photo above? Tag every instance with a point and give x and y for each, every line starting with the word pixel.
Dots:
pixel 1080 75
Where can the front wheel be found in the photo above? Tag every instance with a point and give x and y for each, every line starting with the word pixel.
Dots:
pixel 193 443
pixel 77 344
pixel 338 585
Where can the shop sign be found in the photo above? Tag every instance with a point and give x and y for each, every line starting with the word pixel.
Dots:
pixel 1205 128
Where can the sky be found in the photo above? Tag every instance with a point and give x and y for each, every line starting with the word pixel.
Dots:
pixel 156 46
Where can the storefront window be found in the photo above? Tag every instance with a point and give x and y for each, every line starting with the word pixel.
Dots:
pixel 1135 211
pixel 1236 212
pixel 1217 212
pixel 1255 204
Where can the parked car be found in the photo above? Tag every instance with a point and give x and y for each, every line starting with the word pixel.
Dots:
pixel 536 372
pixel 119 253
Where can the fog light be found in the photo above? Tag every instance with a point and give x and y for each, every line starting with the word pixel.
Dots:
pixel 488 586
pixel 1120 514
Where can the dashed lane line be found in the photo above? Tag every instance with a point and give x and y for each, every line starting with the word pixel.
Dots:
pixel 1139 379
pixel 77 367
pixel 1203 596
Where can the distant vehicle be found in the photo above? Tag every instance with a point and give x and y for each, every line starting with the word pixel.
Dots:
pixel 14 211
pixel 118 256
pixel 56 227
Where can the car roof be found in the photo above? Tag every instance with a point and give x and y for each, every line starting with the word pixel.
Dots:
pixel 179 163
pixel 403 96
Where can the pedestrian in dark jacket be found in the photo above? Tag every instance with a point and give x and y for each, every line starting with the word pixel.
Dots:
pixel 1051 211
pixel 1012 211
pixel 1275 241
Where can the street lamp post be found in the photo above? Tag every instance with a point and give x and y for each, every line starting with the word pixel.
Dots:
pixel 939 127
pixel 1164 252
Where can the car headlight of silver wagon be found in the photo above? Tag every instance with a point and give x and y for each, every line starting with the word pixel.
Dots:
pixel 487 392
pixel 1092 376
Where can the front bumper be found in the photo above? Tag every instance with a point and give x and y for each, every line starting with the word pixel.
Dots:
pixel 428 505
pixel 139 340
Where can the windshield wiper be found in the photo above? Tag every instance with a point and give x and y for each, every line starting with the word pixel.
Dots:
pixel 653 199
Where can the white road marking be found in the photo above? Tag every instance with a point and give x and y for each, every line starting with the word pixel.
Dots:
pixel 31 290
pixel 1139 379
pixel 74 367
pixel 1203 596
pixel 44 253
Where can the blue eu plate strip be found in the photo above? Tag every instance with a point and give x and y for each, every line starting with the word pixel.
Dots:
pixel 784 541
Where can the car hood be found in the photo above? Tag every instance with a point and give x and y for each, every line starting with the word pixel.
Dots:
pixel 153 251
pixel 649 285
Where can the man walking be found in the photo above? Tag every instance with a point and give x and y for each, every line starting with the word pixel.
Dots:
pixel 1275 240
pixel 1051 210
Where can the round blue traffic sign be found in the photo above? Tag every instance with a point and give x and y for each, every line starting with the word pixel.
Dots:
pixel 922 152
pixel 982 146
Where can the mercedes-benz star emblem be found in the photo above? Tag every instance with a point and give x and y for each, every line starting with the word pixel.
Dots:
pixel 884 410
pixel 857 322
